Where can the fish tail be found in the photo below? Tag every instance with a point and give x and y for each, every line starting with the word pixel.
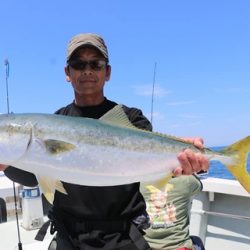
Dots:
pixel 239 151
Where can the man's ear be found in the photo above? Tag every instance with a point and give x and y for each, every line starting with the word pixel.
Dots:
pixel 66 70
pixel 108 72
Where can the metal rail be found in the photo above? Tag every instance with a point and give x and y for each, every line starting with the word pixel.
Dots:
pixel 226 215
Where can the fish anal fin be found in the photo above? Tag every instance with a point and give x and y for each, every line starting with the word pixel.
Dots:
pixel 49 186
pixel 161 184
pixel 60 187
pixel 156 186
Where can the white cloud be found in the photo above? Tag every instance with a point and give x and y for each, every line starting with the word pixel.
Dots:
pixel 147 89
pixel 189 116
pixel 182 125
pixel 157 116
pixel 179 103
pixel 194 124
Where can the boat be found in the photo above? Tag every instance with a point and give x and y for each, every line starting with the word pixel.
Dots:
pixel 21 220
pixel 219 215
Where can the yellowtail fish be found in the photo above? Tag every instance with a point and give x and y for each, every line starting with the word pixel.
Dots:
pixel 105 152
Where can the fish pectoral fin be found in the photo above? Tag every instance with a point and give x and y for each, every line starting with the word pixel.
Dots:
pixel 57 147
pixel 49 186
pixel 117 116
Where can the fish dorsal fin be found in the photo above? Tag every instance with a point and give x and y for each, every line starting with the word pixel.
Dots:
pixel 49 186
pixel 117 116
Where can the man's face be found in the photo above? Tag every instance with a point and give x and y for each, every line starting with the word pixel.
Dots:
pixel 87 71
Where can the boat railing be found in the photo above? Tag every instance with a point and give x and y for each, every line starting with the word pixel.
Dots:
pixel 234 216
pixel 3 211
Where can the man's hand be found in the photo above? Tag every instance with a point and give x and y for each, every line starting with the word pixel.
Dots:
pixel 3 167
pixel 190 161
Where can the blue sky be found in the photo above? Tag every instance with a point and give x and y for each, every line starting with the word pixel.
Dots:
pixel 201 50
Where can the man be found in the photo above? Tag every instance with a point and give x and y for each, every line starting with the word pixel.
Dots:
pixel 99 217
pixel 168 210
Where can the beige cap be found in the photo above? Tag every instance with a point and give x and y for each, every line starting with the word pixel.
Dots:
pixel 87 39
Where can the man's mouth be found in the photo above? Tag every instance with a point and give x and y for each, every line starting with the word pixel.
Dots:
pixel 87 80
pixel 83 80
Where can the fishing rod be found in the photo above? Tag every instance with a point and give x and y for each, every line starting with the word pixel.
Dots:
pixel 7 72
pixel 153 92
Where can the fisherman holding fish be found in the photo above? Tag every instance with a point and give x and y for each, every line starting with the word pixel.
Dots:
pixel 88 216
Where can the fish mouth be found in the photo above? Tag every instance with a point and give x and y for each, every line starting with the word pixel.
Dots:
pixel 19 139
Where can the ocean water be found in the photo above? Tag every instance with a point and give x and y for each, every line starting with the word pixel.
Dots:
pixel 218 170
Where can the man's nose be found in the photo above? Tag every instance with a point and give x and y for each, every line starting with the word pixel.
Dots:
pixel 87 70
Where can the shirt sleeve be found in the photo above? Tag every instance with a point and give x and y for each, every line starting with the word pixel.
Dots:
pixel 137 118
pixel 195 184
pixel 20 176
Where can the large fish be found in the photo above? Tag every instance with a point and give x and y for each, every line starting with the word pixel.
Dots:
pixel 105 152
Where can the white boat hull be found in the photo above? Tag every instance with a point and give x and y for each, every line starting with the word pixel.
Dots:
pixel 220 215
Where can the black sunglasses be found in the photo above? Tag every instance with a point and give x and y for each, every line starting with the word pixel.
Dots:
pixel 96 64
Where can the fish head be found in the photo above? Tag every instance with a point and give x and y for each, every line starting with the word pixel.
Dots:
pixel 14 140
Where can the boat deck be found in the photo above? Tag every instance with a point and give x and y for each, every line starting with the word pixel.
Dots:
pixel 9 238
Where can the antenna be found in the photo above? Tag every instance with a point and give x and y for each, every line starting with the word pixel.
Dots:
pixel 7 72
pixel 7 65
pixel 153 92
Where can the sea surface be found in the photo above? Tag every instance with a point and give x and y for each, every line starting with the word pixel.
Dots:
pixel 217 170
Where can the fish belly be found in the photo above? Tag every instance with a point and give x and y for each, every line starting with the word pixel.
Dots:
pixel 100 166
